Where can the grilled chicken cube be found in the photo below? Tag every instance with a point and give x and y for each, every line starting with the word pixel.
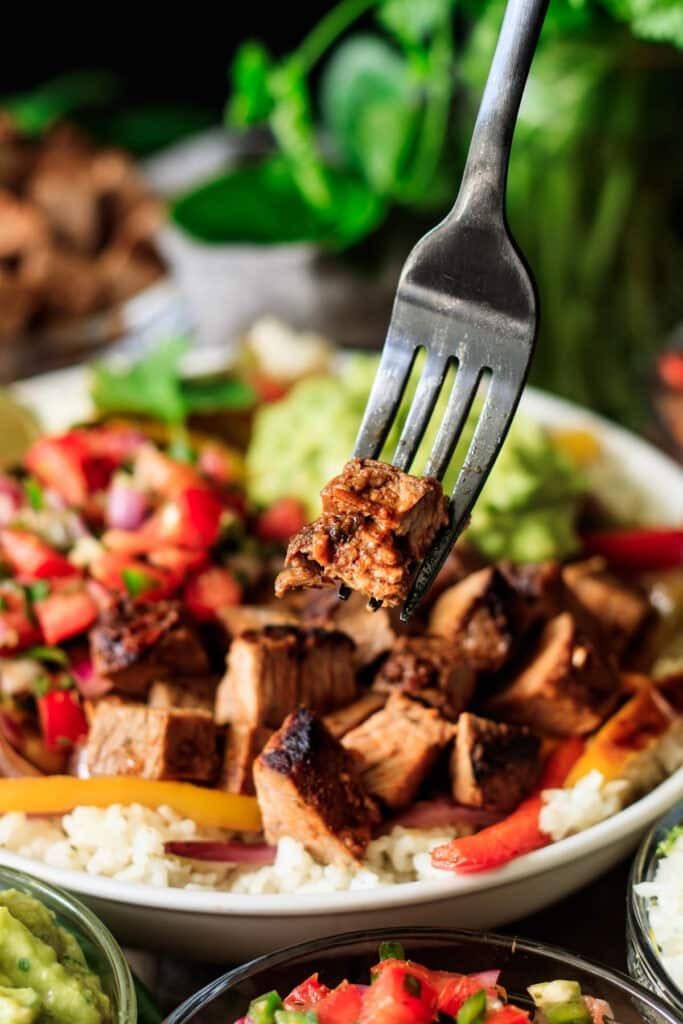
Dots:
pixel 134 646
pixel 338 723
pixel 308 788
pixel 566 687
pixel 396 748
pixel 377 522
pixel 372 634
pixel 425 666
pixel 151 743
pixel 493 765
pixel 273 670
pixel 242 746
pixel 620 609
pixel 197 692
pixel 485 615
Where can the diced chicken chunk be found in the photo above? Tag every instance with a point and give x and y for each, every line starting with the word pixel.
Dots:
pixel 308 788
pixel 377 522
pixel 197 692
pixel 242 746
pixel 134 646
pixel 396 748
pixel 338 723
pixel 151 743
pixel 273 670
pixel 493 765
pixel 567 686
pixel 620 609
pixel 425 666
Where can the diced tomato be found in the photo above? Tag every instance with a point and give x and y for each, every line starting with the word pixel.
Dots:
pixel 670 369
pixel 341 1006
pixel 268 389
pixel 62 719
pixel 178 561
pixel 130 576
pixel 281 521
pixel 454 989
pixel 211 590
pixel 77 464
pixel 63 614
pixel 400 994
pixel 114 441
pixel 17 628
pixel 162 474
pixel 515 835
pixel 508 1015
pixel 131 542
pixel 307 994
pixel 31 558
pixel 218 463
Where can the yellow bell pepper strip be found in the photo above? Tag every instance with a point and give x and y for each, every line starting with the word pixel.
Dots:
pixel 629 735
pixel 58 794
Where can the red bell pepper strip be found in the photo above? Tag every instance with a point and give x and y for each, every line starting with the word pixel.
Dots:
pixel 639 550
pixel 209 591
pixel 281 521
pixel 515 835
pixel 31 558
pixel 63 614
pixel 62 719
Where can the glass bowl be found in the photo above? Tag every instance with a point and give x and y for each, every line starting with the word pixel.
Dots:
pixel 351 956
pixel 99 946
pixel 644 962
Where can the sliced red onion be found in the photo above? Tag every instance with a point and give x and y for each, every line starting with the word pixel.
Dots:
pixel 89 684
pixel 126 506
pixel 11 499
pixel 441 813
pixel 229 852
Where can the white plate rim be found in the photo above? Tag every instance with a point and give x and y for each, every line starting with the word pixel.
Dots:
pixel 539 406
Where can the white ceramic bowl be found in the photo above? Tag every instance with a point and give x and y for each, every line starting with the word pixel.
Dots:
pixel 231 927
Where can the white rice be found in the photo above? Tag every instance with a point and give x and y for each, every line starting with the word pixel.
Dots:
pixel 665 906
pixel 589 801
pixel 127 843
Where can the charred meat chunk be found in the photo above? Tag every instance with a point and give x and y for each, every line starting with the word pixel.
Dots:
pixel 134 645
pixel 493 765
pixel 308 788
pixel 566 687
pixel 242 746
pixel 619 608
pixel 372 634
pixel 377 522
pixel 396 748
pixel 273 670
pixel 197 692
pixel 425 666
pixel 151 743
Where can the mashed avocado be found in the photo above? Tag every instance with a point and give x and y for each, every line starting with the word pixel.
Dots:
pixel 527 509
pixel 44 977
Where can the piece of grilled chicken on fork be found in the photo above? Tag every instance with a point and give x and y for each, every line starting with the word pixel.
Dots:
pixel 467 299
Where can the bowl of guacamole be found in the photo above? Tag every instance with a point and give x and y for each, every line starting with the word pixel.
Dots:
pixel 58 963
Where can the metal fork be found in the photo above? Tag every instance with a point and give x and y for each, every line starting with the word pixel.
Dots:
pixel 465 296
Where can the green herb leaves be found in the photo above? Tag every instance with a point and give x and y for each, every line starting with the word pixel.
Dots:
pixel 154 386
pixel 667 844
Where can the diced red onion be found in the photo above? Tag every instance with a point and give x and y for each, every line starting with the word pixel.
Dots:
pixel 126 507
pixel 11 499
pixel 229 852
pixel 441 813
pixel 89 684
pixel 487 979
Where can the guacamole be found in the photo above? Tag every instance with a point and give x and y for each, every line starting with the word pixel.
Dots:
pixel 44 977
pixel 528 507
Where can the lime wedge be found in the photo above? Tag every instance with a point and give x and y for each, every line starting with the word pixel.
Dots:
pixel 18 429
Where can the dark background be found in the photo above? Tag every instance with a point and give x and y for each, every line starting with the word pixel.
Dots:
pixel 168 54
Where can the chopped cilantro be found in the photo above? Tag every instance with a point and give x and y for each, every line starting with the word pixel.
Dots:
pixel 24 964
pixel 667 844
pixel 34 494
pixel 37 591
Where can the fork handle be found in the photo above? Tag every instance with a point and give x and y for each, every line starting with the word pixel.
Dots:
pixel 485 175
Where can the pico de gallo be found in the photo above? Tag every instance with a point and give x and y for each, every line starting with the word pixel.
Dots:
pixel 401 991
